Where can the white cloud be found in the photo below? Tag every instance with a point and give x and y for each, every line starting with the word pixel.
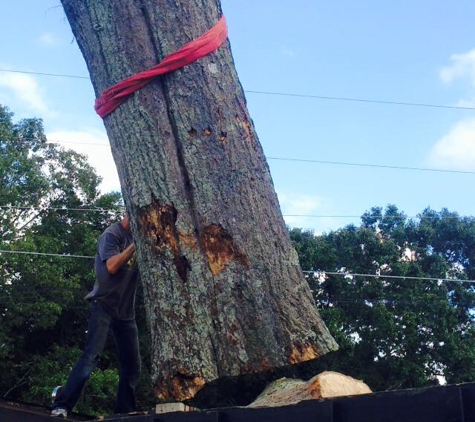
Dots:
pixel 95 145
pixel 25 89
pixel 456 150
pixel 47 39
pixel 285 51
pixel 462 67
pixel 296 206
pixel 466 103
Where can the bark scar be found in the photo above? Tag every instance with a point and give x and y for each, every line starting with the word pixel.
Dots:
pixel 302 353
pixel 183 385
pixel 157 224
pixel 219 249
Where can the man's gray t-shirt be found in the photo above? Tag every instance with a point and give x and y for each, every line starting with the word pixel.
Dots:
pixel 116 292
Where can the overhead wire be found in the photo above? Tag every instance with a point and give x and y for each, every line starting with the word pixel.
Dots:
pixel 385 300
pixel 343 274
pixel 381 217
pixel 46 254
pixel 361 100
pixel 379 301
pixel 350 274
pixel 342 163
pixel 307 160
pixel 284 94
pixel 120 208
pixel 8 207
pixel 59 75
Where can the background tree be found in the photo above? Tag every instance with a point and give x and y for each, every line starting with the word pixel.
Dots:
pixel 397 333
pixel 45 195
pixel 223 288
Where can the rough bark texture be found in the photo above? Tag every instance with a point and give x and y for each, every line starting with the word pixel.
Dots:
pixel 223 288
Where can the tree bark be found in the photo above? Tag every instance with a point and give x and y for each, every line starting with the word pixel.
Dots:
pixel 224 291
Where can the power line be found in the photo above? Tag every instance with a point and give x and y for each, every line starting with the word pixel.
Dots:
pixel 386 302
pixel 341 163
pixel 306 272
pixel 361 100
pixel 320 301
pixel 305 160
pixel 61 208
pixel 57 255
pixel 44 74
pixel 381 217
pixel 61 143
pixel 345 274
pixel 286 94
pixel 120 208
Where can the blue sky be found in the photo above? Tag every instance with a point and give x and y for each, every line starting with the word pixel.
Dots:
pixel 419 51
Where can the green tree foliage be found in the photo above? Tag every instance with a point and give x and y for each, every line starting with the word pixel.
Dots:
pixel 44 192
pixel 397 332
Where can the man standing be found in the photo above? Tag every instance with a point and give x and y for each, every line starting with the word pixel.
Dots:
pixel 113 308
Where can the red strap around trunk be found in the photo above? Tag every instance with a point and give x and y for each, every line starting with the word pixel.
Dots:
pixel 116 95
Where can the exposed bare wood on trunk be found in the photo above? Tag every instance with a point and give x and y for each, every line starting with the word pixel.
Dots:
pixel 223 288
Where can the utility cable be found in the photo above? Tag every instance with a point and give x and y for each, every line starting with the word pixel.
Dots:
pixel 349 274
pixel 305 160
pixel 120 208
pixel 286 94
pixel 8 207
pixel 341 163
pixel 361 100
pixel 382 301
pixel 306 272
pixel 375 302
pixel 44 74
pixel 47 254
pixel 380 217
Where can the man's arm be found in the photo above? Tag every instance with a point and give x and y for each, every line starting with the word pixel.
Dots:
pixel 116 262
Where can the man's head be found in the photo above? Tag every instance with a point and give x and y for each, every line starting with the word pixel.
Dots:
pixel 125 222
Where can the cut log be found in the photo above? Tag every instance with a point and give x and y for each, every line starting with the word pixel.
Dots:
pixel 173 407
pixel 285 391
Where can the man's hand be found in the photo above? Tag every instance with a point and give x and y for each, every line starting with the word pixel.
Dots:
pixel 116 262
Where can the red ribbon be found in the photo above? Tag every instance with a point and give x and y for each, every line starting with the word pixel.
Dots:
pixel 116 95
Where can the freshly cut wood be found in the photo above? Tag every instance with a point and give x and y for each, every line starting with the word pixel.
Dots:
pixel 223 288
pixel 285 391
pixel 173 407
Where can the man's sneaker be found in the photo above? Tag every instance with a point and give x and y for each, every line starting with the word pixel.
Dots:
pixel 56 393
pixel 59 412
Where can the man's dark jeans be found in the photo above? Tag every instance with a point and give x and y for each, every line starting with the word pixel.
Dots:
pixel 126 339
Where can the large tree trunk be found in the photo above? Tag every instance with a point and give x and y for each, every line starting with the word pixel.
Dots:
pixel 224 291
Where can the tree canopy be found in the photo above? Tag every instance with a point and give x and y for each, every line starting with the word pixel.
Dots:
pixel 393 295
pixel 46 197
